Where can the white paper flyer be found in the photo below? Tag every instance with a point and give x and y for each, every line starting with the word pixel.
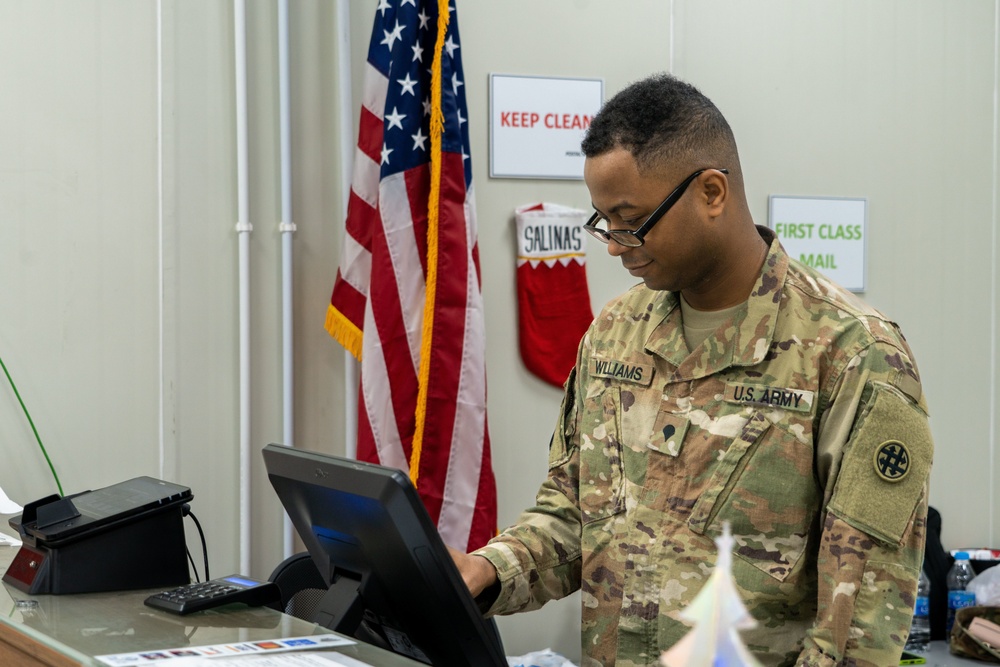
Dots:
pixel 8 506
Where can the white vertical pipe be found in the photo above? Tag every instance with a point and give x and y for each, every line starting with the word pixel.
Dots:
pixel 346 115
pixel 243 228
pixel 287 228
pixel 995 282
pixel 159 225
pixel 170 455
pixel 673 38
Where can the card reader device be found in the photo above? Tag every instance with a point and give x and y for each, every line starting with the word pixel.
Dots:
pixel 215 593
pixel 125 536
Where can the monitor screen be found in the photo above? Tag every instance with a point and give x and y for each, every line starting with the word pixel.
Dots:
pixel 392 582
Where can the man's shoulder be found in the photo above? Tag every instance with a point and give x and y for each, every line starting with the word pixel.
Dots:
pixel 831 306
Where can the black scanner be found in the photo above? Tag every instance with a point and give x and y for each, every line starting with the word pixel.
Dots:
pixel 126 536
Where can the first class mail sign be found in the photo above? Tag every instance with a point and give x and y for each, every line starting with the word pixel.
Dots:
pixel 830 234
pixel 537 124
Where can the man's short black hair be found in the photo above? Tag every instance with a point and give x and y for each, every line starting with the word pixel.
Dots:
pixel 661 120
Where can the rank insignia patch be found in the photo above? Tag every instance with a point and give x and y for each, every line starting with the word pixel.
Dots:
pixel 892 460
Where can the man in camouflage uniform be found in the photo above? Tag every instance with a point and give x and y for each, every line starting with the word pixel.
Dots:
pixel 733 385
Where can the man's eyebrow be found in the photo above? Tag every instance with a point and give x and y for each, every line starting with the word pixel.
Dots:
pixel 617 208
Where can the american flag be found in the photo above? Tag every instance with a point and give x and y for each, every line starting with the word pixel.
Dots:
pixel 407 299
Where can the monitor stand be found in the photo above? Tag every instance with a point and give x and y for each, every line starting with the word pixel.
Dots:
pixel 342 608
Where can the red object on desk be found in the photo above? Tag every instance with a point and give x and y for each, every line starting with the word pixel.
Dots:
pixel 25 567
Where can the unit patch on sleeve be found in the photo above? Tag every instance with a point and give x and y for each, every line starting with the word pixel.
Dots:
pixel 892 460
pixel 797 400
pixel 628 371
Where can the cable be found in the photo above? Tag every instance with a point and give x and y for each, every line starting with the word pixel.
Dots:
pixel 194 567
pixel 33 429
pixel 201 533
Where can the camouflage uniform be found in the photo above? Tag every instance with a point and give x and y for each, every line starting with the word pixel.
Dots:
pixel 801 423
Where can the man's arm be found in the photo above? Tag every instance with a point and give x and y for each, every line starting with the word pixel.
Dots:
pixel 875 453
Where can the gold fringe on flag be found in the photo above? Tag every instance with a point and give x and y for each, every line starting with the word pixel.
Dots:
pixel 433 210
pixel 344 331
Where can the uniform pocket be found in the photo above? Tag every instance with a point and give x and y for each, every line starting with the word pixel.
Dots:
pixel 601 466
pixel 724 476
pixel 765 488
pixel 881 612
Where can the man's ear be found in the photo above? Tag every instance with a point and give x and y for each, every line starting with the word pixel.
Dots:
pixel 714 191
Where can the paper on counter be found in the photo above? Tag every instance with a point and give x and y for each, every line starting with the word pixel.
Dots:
pixel 259 653
pixel 8 506
pixel 8 541
pixel 311 659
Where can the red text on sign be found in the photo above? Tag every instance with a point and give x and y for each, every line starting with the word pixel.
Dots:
pixel 552 121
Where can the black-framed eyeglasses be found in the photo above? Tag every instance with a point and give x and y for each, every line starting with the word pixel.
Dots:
pixel 633 238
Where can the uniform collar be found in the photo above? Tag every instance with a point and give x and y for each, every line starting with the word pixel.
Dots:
pixel 744 343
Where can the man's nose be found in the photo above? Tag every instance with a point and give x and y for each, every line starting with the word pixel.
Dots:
pixel 616 249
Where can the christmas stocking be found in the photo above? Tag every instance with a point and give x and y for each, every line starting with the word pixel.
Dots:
pixel 552 296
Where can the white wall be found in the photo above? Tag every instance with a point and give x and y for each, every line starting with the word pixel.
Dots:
pixel 118 250
pixel 118 261
pixel 894 102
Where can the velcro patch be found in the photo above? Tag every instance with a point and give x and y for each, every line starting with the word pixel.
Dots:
pixel 668 433
pixel 641 374
pixel 797 400
pixel 878 496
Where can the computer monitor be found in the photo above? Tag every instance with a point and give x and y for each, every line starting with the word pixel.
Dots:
pixel 391 580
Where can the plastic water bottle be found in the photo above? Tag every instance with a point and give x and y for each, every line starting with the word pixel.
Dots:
pixel 920 628
pixel 958 578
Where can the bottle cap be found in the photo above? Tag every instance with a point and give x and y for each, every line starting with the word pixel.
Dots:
pixel 961 555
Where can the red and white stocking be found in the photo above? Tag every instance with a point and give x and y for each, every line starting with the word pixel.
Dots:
pixel 553 300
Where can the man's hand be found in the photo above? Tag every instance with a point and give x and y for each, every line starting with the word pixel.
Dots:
pixel 477 572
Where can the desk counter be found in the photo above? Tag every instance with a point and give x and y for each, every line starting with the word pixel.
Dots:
pixel 69 630
pixel 940 656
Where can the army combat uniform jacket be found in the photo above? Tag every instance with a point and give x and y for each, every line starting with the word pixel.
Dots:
pixel 800 422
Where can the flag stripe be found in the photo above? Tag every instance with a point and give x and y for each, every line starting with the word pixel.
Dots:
pixel 374 94
pixel 378 419
pixel 350 302
pixel 357 266
pixel 364 180
pixel 387 361
pixel 370 135
pixel 406 266
pixel 465 469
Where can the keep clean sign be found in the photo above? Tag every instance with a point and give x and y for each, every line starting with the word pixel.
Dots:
pixel 537 124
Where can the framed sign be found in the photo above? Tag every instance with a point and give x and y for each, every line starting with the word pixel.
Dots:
pixel 537 124
pixel 828 234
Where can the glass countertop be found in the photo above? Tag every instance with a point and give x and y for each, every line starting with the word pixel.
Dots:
pixel 81 626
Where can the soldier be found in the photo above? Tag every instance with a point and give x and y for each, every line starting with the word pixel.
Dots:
pixel 732 385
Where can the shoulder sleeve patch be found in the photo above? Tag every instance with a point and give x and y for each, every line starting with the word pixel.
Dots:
pixel 886 466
